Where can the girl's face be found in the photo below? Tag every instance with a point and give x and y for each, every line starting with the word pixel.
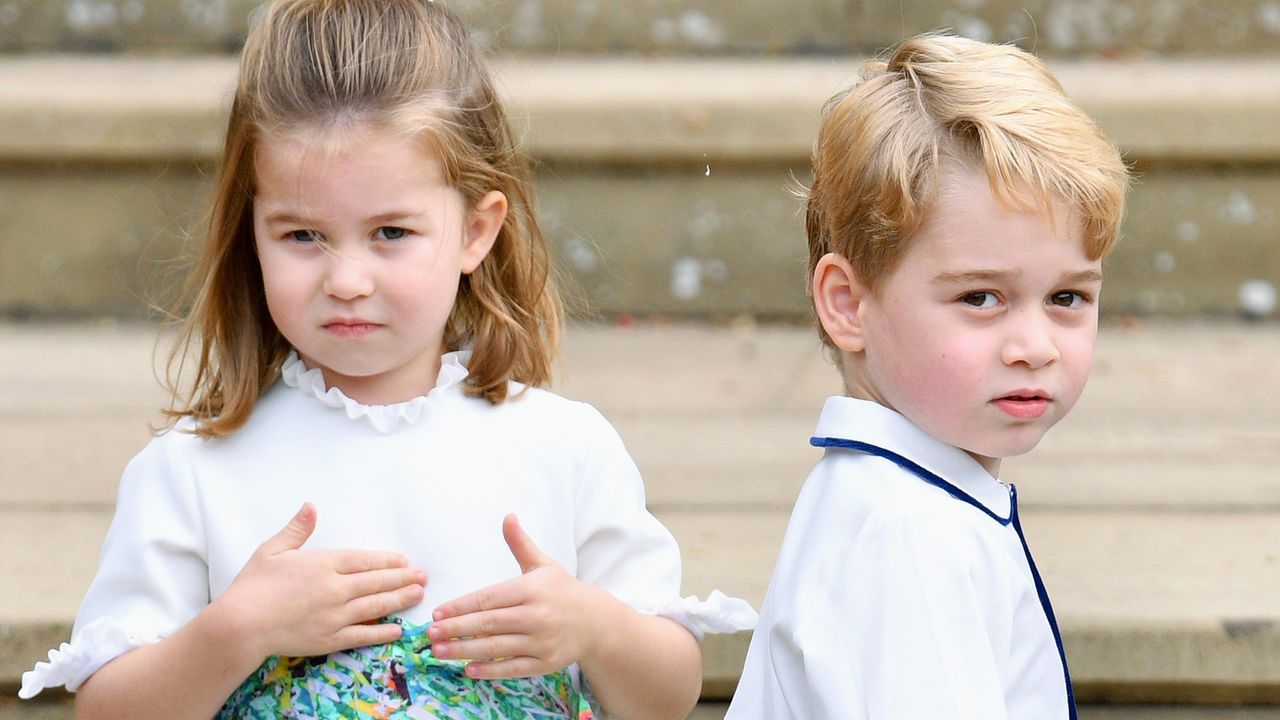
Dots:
pixel 367 304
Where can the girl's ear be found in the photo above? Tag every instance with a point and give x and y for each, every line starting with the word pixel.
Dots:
pixel 484 221
pixel 838 298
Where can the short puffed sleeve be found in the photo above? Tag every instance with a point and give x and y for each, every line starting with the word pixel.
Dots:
pixel 152 575
pixel 624 549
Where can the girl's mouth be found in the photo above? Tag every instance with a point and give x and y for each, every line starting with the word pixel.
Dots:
pixel 351 329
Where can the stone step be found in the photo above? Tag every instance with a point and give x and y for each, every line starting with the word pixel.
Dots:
pixel 663 182
pixel 1067 28
pixel 1152 510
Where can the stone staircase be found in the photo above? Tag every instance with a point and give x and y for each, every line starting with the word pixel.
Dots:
pixel 666 136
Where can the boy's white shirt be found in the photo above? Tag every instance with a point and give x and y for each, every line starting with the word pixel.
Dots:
pixel 894 600
pixel 431 478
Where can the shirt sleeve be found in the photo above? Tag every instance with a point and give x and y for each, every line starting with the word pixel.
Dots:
pixel 152 574
pixel 907 620
pixel 621 546
pixel 624 549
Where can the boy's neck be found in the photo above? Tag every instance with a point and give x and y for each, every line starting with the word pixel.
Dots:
pixel 862 391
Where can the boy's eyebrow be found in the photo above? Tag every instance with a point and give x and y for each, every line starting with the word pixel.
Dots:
pixel 1082 277
pixel 968 276
pixel 960 278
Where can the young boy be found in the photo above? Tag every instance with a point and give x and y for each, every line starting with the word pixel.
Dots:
pixel 960 211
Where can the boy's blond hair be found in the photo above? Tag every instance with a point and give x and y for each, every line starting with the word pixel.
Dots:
pixel 941 99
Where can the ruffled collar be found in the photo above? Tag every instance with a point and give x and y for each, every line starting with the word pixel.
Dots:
pixel 384 418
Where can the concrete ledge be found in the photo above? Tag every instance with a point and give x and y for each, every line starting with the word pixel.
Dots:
pixel 1067 28
pixel 124 109
pixel 1166 579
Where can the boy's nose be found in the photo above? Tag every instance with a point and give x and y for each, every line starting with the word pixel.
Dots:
pixel 1030 342
pixel 347 277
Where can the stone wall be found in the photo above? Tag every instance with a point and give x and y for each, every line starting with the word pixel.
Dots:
pixel 1056 28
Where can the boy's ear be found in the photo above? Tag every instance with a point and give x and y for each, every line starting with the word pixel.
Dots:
pixel 837 297
pixel 484 221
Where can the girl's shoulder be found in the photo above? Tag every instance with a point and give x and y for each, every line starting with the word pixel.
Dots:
pixel 546 408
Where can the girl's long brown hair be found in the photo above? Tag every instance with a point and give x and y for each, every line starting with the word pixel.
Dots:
pixel 403 65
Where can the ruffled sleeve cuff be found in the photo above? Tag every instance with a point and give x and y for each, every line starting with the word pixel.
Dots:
pixel 100 642
pixel 719 613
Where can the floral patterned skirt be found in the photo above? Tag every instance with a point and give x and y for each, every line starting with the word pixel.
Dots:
pixel 397 681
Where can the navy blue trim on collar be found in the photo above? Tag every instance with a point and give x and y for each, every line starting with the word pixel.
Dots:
pixel 1044 600
pixel 937 481
pixel 911 467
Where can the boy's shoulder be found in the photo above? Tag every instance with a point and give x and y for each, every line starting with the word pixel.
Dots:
pixel 878 493
pixel 881 476
pixel 863 527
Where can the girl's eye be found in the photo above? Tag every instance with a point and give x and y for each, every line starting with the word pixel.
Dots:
pixel 983 300
pixel 304 236
pixel 1067 299
pixel 391 233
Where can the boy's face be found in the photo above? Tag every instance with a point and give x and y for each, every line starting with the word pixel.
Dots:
pixel 983 334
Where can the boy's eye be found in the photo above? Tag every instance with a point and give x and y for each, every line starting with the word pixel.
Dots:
pixel 303 236
pixel 391 233
pixel 1067 299
pixel 982 300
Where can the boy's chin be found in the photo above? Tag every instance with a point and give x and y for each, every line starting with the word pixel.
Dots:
pixel 1002 450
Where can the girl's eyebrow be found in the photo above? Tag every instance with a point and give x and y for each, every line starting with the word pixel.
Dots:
pixel 288 218
pixel 284 218
pixel 395 216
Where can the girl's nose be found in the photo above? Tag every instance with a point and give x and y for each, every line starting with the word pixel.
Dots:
pixel 347 277
pixel 1030 342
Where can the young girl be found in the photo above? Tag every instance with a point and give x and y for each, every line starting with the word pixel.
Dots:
pixel 370 318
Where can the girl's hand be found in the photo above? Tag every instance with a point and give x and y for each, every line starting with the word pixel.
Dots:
pixel 535 624
pixel 295 602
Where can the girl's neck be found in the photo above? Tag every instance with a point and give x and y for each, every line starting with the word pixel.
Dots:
pixel 384 388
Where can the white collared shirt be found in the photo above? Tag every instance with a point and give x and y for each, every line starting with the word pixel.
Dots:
pixel 897 597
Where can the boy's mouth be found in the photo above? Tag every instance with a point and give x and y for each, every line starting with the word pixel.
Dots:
pixel 1024 405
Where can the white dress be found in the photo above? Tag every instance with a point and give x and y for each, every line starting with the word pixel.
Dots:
pixel 431 478
pixel 903 590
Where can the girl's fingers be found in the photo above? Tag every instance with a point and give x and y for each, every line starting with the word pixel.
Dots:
pixel 354 636
pixel 502 621
pixel 295 534
pixel 523 549
pixel 380 605
pixel 380 581
pixel 502 595
pixel 514 667
pixel 358 561
pixel 482 648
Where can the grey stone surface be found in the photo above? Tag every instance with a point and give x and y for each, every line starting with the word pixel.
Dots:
pixel 1152 509
pixel 1058 27
pixel 664 185
pixel 632 110
pixel 82 240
